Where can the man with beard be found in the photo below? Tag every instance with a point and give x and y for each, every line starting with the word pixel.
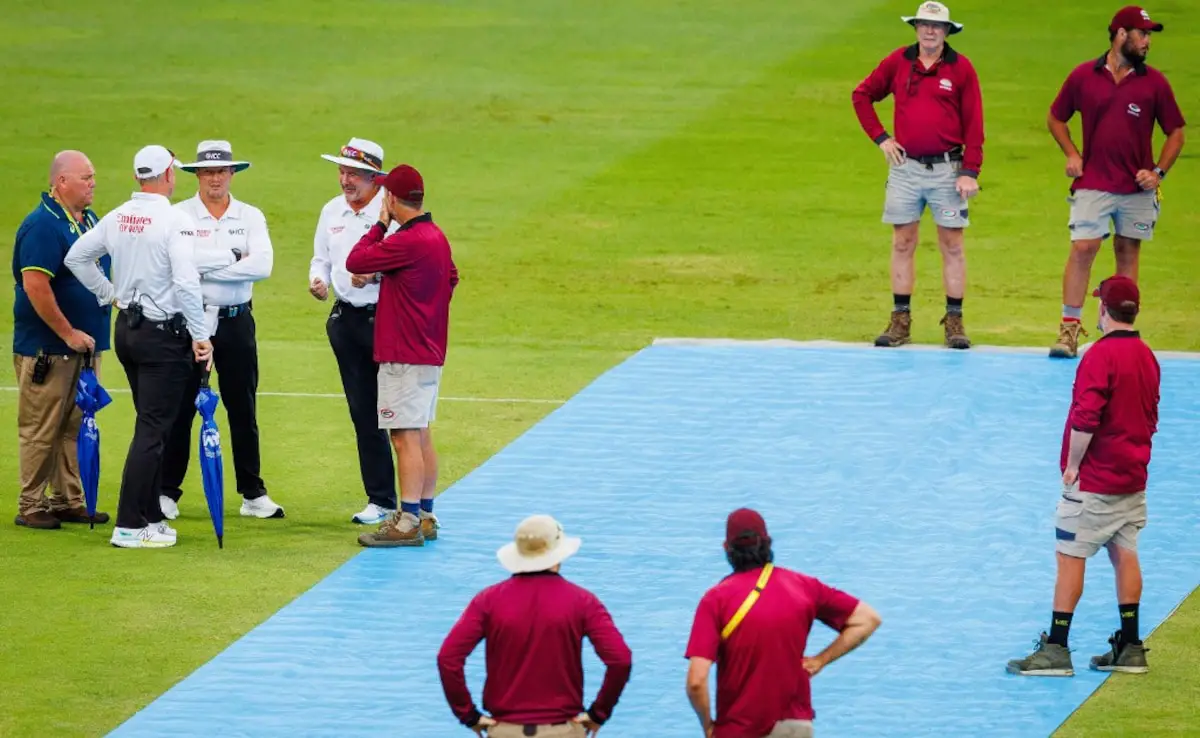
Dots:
pixel 351 323
pixel 1119 98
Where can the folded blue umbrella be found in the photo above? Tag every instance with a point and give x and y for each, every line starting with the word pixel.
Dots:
pixel 212 468
pixel 91 398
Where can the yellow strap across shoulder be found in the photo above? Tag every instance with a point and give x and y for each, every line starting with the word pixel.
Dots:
pixel 751 598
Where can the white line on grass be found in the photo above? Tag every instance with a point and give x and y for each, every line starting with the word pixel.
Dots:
pixel 325 395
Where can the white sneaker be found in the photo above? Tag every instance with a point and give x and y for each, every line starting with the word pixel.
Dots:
pixel 169 507
pixel 165 529
pixel 148 537
pixel 261 507
pixel 372 514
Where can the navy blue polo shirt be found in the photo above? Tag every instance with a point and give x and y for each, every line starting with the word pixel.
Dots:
pixel 43 240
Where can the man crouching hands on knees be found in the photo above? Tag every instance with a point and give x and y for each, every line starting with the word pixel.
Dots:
pixel 411 326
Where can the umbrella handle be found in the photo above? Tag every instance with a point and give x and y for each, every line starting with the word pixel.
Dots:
pixel 88 360
pixel 204 375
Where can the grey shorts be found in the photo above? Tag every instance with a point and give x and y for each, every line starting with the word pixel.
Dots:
pixel 1133 216
pixel 1085 522
pixel 911 186
pixel 408 395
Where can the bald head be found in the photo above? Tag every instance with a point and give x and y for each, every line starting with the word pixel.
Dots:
pixel 72 179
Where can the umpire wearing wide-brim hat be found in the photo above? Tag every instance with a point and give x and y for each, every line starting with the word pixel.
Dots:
pixel 359 153
pixel 227 229
pixel 215 154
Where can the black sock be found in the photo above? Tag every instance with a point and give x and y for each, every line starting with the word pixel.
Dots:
pixel 954 305
pixel 900 302
pixel 1060 626
pixel 1129 623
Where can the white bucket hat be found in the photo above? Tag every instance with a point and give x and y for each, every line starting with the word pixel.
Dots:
pixel 360 154
pixel 538 545
pixel 212 154
pixel 933 12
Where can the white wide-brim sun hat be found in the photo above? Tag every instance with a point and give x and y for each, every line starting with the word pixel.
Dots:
pixel 538 544
pixel 934 12
pixel 359 153
pixel 214 154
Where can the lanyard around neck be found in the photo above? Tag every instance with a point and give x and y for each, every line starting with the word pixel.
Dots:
pixel 71 222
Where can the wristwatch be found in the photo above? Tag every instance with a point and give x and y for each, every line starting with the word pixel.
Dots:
pixel 237 254
pixel 1161 174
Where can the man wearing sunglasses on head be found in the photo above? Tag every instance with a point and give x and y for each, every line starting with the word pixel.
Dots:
pixel 351 323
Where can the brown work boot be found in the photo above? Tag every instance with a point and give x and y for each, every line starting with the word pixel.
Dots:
pixel 897 333
pixel 956 334
pixel 402 529
pixel 79 515
pixel 39 519
pixel 1067 346
pixel 429 526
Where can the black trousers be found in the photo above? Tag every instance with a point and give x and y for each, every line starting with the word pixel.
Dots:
pixel 157 365
pixel 235 358
pixel 351 333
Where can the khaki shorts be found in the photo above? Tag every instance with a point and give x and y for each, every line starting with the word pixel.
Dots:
pixel 561 730
pixel 1085 522
pixel 408 395
pixel 792 729
pixel 1133 216
pixel 913 186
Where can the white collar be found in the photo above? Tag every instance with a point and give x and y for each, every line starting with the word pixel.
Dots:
pixel 150 196
pixel 200 210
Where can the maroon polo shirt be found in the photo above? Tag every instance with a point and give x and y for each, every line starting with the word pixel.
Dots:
pixel 419 276
pixel 936 110
pixel 1118 122
pixel 1115 397
pixel 534 625
pixel 760 669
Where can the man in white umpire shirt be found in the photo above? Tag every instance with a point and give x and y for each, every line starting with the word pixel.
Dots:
pixel 351 323
pixel 160 334
pixel 225 226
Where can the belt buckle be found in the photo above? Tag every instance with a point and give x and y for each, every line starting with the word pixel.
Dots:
pixel 529 730
pixel 233 311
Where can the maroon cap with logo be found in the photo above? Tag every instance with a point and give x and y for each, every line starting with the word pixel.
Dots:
pixel 745 527
pixel 405 183
pixel 1117 290
pixel 1131 16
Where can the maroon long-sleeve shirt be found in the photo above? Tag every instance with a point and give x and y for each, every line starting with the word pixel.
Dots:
pixel 534 626
pixel 419 276
pixel 1115 398
pixel 936 110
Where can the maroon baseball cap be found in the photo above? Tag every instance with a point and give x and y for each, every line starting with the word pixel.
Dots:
pixel 1117 290
pixel 404 182
pixel 745 527
pixel 1131 16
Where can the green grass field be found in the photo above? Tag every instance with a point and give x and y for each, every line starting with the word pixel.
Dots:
pixel 607 173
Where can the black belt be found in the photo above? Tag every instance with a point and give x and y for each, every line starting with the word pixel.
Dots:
pixel 955 154
pixel 343 305
pixel 232 311
pixel 533 729
pixel 161 325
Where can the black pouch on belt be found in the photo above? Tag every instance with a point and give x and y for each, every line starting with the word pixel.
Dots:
pixel 41 368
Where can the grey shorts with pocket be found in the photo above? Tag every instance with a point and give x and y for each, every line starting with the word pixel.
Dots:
pixel 408 395
pixel 1132 216
pixel 912 186
pixel 1085 522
